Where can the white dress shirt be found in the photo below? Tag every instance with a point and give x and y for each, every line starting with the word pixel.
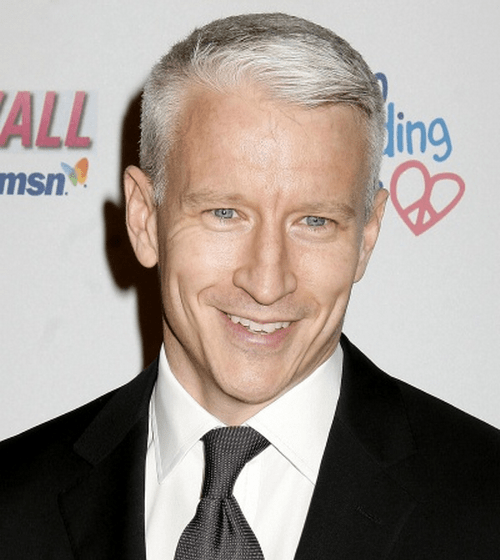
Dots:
pixel 273 490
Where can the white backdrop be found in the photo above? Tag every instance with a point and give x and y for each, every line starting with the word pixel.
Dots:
pixel 73 302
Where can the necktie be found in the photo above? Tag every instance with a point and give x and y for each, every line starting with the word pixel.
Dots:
pixel 219 530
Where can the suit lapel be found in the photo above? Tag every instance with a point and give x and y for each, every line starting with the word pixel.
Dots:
pixel 358 508
pixel 103 510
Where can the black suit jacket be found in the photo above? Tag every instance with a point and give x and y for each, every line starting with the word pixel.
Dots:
pixel 404 476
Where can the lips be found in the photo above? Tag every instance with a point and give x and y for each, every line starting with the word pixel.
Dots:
pixel 259 328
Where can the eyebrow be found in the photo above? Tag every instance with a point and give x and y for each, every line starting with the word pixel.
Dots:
pixel 209 196
pixel 329 207
pixel 215 198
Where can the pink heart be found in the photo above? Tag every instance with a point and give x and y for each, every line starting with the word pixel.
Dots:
pixel 424 205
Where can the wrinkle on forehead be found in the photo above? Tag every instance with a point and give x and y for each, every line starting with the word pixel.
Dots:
pixel 245 134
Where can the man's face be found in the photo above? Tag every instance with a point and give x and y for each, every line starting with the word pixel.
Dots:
pixel 259 239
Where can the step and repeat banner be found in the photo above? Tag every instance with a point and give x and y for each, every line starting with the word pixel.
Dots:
pixel 80 316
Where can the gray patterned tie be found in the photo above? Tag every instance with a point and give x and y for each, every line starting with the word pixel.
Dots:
pixel 219 530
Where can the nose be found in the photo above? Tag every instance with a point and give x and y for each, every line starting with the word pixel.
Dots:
pixel 265 272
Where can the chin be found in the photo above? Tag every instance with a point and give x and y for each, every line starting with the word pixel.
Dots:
pixel 257 391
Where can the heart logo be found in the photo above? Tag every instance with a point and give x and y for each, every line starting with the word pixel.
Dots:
pixel 421 215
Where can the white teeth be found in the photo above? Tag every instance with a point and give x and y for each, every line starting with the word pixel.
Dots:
pixel 252 326
pixel 262 328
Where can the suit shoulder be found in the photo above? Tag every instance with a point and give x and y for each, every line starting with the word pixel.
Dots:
pixel 55 434
pixel 433 415
pixel 453 452
pixel 52 442
pixel 425 412
pixel 461 451
pixel 458 456
pixel 40 465
pixel 454 476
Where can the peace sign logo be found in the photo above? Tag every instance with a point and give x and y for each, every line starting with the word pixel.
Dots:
pixel 421 215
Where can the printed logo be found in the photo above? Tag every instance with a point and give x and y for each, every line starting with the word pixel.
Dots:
pixel 33 184
pixel 34 124
pixel 78 174
pixel 58 115
pixel 420 198
pixel 421 214
pixel 36 184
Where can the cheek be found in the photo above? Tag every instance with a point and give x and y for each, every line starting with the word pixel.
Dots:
pixel 327 274
pixel 195 261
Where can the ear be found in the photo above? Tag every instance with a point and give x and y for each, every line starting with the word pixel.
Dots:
pixel 141 216
pixel 370 232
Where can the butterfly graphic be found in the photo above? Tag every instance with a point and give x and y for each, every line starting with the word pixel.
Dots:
pixel 78 174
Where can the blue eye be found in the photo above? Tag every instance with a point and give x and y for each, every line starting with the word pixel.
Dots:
pixel 315 221
pixel 224 213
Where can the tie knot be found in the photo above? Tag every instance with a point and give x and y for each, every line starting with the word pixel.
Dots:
pixel 227 450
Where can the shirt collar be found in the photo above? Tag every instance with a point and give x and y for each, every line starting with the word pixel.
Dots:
pixel 178 421
pixel 297 424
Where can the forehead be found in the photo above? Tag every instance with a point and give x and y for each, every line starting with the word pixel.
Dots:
pixel 234 136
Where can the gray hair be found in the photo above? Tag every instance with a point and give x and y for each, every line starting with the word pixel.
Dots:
pixel 294 60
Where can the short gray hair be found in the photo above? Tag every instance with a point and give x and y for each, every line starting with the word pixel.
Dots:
pixel 294 60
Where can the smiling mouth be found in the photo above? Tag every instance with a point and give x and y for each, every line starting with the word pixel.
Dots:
pixel 259 328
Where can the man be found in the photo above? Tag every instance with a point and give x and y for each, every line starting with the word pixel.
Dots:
pixel 258 199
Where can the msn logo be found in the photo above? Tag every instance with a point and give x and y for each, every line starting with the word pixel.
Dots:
pixel 33 184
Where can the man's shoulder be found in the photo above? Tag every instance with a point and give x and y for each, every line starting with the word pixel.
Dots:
pixel 47 448
pixel 35 467
pixel 453 476
pixel 446 441
pixel 432 415
pixel 93 448
pixel 39 460
pixel 64 428
pixel 459 452
pixel 427 414
pixel 445 461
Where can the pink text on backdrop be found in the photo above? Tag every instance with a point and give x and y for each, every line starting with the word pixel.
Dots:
pixel 19 122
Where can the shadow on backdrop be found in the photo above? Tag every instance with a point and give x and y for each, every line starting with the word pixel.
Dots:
pixel 127 271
